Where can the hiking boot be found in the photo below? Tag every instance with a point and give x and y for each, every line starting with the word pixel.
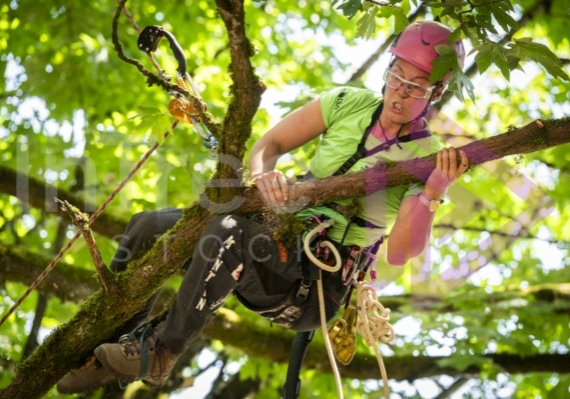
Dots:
pixel 131 361
pixel 89 377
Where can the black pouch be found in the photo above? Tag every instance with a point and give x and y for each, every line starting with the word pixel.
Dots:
pixel 288 312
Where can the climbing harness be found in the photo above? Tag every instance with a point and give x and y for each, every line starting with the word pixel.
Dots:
pixel 358 262
pixel 372 327
pixel 290 310
pixel 154 36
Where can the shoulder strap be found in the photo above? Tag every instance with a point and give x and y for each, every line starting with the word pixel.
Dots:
pixel 360 150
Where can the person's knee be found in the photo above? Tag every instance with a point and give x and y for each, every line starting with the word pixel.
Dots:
pixel 144 218
pixel 225 224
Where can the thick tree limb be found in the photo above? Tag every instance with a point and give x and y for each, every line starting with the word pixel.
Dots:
pixel 246 91
pixel 536 136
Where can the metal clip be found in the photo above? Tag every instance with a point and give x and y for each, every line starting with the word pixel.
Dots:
pixel 351 265
pixel 303 290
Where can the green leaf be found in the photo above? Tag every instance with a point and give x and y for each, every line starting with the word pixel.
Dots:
pixel 460 82
pixel 527 50
pixel 367 24
pixel 350 8
pixel 492 53
pixel 446 62
pixel 399 14
pixel 501 13
pixel 154 120
pixel 162 125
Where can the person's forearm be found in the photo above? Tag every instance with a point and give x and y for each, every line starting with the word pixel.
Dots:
pixel 263 158
pixel 411 232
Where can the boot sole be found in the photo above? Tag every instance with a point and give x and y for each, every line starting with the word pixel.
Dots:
pixel 65 386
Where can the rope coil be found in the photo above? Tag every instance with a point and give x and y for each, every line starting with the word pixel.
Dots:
pixel 374 325
pixel 373 318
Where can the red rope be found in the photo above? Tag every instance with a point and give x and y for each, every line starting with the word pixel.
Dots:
pixel 99 210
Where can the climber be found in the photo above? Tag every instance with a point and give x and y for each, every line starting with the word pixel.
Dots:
pixel 357 128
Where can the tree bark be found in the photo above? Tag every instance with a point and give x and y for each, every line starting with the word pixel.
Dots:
pixel 536 136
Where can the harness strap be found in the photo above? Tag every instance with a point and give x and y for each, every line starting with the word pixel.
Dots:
pixel 292 387
pixel 361 149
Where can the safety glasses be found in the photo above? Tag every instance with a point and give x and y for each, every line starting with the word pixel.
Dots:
pixel 412 89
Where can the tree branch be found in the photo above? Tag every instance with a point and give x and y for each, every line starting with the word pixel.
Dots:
pixel 535 136
pixel 246 90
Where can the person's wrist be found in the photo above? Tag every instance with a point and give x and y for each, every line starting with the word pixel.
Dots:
pixel 430 203
pixel 431 194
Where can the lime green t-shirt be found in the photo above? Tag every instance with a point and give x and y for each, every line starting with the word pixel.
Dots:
pixel 347 113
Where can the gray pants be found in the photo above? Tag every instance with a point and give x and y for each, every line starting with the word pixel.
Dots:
pixel 234 255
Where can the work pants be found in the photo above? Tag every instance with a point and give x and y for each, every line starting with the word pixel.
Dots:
pixel 234 255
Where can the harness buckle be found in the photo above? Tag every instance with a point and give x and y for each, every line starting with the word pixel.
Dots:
pixel 303 290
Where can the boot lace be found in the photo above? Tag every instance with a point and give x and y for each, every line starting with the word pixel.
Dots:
pixel 135 343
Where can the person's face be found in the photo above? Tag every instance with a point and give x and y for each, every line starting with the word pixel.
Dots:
pixel 404 84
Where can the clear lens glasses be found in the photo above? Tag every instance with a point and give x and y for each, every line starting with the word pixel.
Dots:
pixel 412 89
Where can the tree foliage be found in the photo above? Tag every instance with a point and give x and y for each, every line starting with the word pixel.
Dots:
pixel 482 314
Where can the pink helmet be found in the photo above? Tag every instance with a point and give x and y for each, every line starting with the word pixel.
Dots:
pixel 416 44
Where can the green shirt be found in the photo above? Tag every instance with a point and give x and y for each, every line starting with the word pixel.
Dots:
pixel 347 113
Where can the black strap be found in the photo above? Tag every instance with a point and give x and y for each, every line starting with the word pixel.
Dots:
pixel 361 149
pixel 292 386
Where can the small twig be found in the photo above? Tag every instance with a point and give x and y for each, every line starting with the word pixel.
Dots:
pixel 81 220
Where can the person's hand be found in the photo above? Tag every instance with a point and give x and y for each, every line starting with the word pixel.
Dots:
pixel 273 188
pixel 446 171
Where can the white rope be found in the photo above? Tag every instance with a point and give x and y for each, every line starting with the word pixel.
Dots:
pixel 328 344
pixel 373 324
pixel 373 318
pixel 327 244
pixel 320 292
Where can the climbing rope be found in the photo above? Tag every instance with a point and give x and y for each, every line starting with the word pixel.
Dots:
pixel 373 318
pixel 94 216
pixel 212 145
pixel 374 325
pixel 323 266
